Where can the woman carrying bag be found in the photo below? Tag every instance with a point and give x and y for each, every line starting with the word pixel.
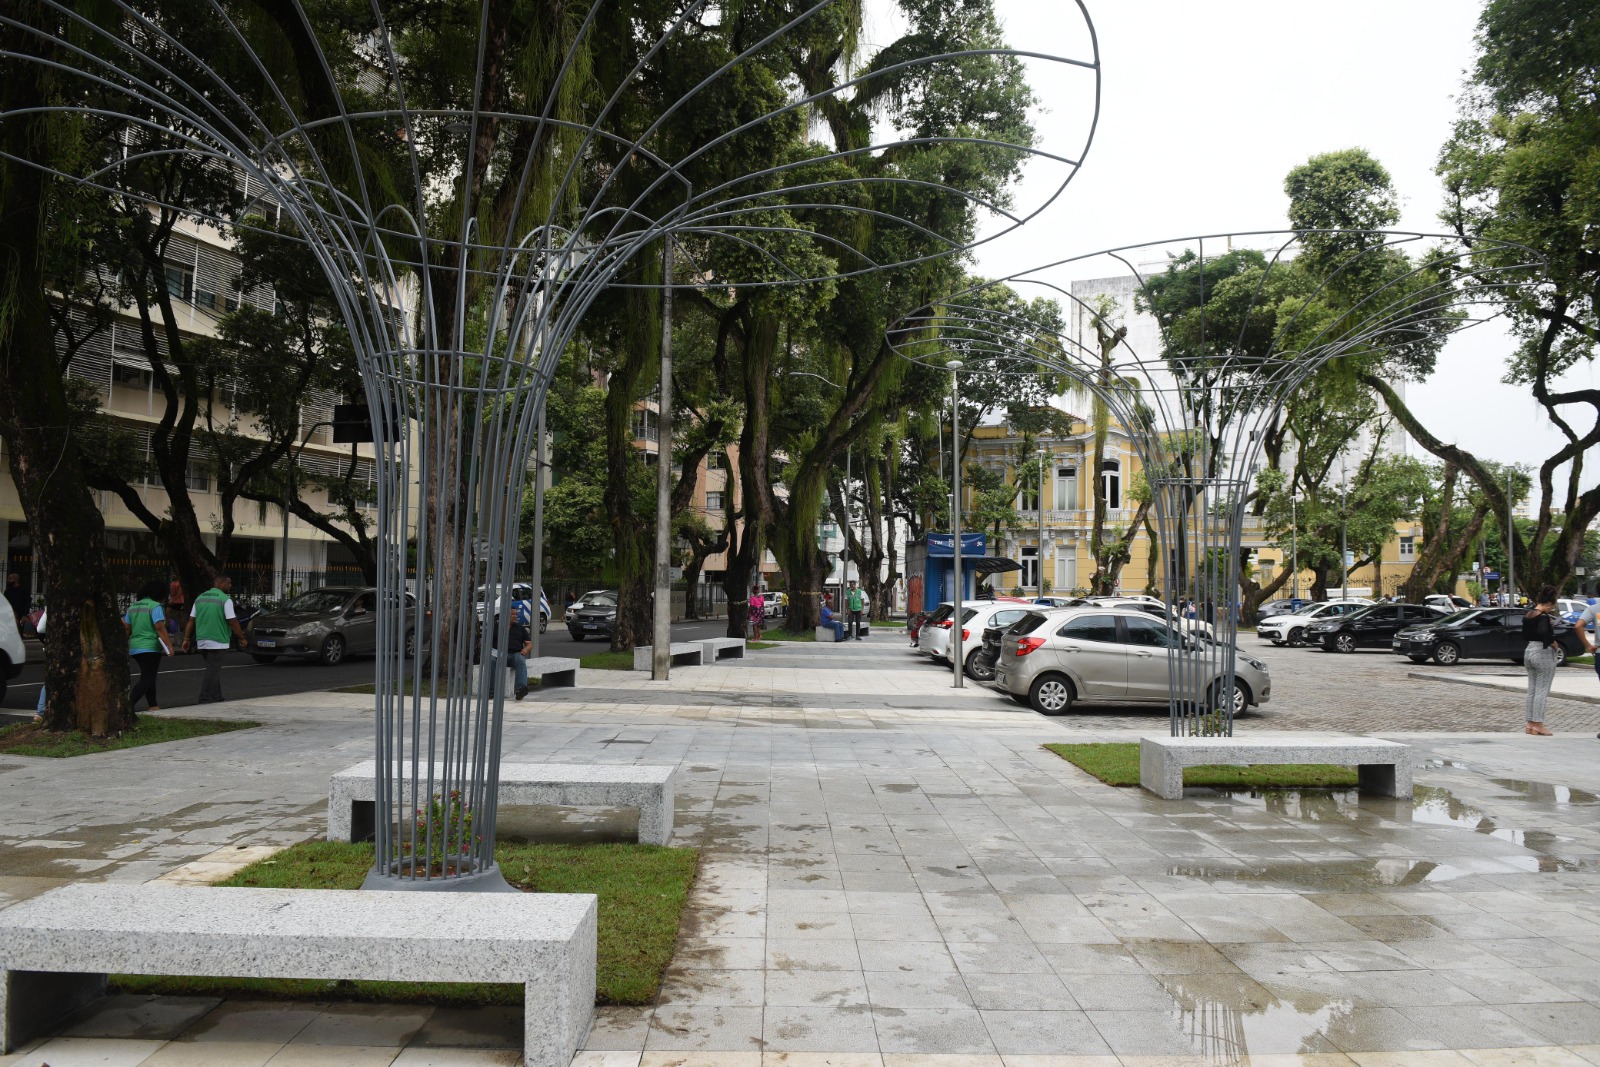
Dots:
pixel 1539 659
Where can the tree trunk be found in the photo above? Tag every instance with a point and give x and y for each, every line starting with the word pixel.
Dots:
pixel 86 651
pixel 1319 582
pixel 632 535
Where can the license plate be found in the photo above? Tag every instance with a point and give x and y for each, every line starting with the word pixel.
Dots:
pixel 591 626
pixel 266 644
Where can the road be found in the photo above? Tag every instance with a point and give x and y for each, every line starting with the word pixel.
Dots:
pixel 243 678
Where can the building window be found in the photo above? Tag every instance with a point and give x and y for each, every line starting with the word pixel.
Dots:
pixel 713 501
pixel 1111 483
pixel 1028 498
pixel 1408 549
pixel 180 282
pixel 1029 579
pixel 1066 488
pixel 199 477
pixel 715 461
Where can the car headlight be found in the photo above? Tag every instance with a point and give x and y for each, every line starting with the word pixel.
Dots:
pixel 301 630
pixel 1257 664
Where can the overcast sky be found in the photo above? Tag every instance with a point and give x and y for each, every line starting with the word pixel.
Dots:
pixel 1205 108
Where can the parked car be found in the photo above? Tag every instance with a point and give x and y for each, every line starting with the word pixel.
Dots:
pixel 1370 627
pixel 933 639
pixel 519 591
pixel 1054 660
pixel 1288 606
pixel 1291 629
pixel 1570 608
pixel 996 617
pixel 775 604
pixel 989 647
pixel 1478 633
pixel 594 614
pixel 325 624
pixel 12 653
pixel 1446 601
pixel 1152 606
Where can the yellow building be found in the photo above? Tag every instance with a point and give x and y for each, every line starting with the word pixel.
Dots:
pixel 1069 518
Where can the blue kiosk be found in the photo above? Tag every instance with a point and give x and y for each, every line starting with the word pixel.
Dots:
pixel 931 571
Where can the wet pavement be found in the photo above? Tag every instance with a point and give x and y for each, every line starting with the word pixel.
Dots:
pixel 898 876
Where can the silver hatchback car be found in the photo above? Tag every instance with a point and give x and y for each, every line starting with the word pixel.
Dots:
pixel 1054 659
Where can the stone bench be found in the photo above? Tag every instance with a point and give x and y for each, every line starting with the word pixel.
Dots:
pixel 1382 767
pixel 683 653
pixel 716 648
pixel 352 794
pixel 824 635
pixel 57 949
pixel 554 672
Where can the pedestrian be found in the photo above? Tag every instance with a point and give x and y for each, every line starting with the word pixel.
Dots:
pixel 147 642
pixel 1586 630
pixel 758 612
pixel 854 600
pixel 175 603
pixel 213 626
pixel 38 629
pixel 1539 657
pixel 17 597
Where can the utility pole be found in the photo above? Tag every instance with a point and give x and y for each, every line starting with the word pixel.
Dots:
pixel 661 641
pixel 1344 526
pixel 956 598
pixel 1511 546
pixel 1294 552
pixel 1039 561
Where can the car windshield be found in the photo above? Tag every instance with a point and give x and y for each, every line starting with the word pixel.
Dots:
pixel 1029 623
pixel 1361 613
pixel 940 613
pixel 1459 616
pixel 600 600
pixel 319 602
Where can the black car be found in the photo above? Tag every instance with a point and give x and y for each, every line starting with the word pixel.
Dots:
pixel 1371 627
pixel 594 615
pixel 1478 633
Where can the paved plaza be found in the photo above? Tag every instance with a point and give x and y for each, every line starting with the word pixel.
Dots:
pixel 896 874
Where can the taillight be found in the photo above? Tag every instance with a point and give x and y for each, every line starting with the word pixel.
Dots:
pixel 944 624
pixel 966 634
pixel 1028 644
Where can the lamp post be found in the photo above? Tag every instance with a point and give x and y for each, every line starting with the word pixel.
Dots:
pixel 1511 548
pixel 1344 525
pixel 1039 496
pixel 1294 552
pixel 955 526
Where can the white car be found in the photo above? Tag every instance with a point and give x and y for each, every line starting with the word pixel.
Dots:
pixel 1151 606
pixel 1291 629
pixel 934 637
pixel 12 653
pixel 519 591
pixel 1448 603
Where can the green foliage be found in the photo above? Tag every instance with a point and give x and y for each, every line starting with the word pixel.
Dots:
pixel 27 739
pixel 1117 763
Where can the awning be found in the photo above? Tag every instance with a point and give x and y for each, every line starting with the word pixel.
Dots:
pixel 994 565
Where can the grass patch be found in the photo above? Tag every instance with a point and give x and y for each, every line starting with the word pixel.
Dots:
pixel 776 634
pixel 1118 764
pixel 608 661
pixel 28 739
pixel 759 645
pixel 642 889
pixel 1580 661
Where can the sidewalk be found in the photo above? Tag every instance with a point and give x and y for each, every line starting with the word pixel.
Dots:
pixel 1569 684
pixel 898 886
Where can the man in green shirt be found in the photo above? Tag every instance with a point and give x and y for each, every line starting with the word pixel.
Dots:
pixel 213 621
pixel 854 601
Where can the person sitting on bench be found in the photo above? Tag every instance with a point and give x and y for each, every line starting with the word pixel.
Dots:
pixel 832 623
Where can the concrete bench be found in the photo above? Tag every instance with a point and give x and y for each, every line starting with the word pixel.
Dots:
pixel 824 635
pixel 683 653
pixel 554 671
pixel 716 648
pixel 352 794
pixel 1383 768
pixel 57 949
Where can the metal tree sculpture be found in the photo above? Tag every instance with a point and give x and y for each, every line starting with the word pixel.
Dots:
pixel 470 187
pixel 1237 333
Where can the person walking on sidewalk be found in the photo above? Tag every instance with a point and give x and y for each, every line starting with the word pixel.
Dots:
pixel 758 612
pixel 216 626
pixel 1585 628
pixel 518 645
pixel 854 601
pixel 147 642
pixel 1539 658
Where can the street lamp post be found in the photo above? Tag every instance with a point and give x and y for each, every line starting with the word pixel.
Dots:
pixel 1294 553
pixel 1511 548
pixel 1344 525
pixel 955 526
pixel 1038 563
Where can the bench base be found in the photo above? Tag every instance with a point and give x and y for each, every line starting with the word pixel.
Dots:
pixel 682 654
pixel 1383 768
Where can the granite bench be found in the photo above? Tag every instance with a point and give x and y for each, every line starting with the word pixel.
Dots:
pixel 57 949
pixel 825 635
pixel 1382 767
pixel 683 653
pixel 554 671
pixel 722 648
pixel 352 794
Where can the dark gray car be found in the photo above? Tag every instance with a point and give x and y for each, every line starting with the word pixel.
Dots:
pixel 326 624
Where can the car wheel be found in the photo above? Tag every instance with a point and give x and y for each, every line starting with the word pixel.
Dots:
pixel 332 653
pixel 1447 653
pixel 1050 694
pixel 1297 636
pixel 1344 642
pixel 1561 655
pixel 1241 697
pixel 977 671
pixel 544 623
pixel 259 658
pixel 411 645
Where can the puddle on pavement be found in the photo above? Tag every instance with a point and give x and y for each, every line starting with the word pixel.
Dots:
pixel 1546 792
pixel 1219 1015
pixel 1448 763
